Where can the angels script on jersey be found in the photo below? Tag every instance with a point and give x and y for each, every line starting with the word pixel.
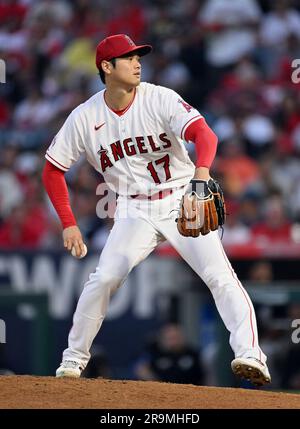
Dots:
pixel 131 147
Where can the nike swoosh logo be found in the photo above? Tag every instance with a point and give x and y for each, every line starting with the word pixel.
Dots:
pixel 99 126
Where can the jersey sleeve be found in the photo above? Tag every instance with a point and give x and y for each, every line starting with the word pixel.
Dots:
pixel 67 146
pixel 177 112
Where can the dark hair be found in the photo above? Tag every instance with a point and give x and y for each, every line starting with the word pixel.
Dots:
pixel 101 72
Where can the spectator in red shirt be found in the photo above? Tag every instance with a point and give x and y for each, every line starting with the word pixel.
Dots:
pixel 275 227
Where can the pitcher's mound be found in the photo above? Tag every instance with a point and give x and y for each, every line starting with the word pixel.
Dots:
pixel 50 392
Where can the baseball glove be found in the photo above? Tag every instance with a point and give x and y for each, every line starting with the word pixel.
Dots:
pixel 202 209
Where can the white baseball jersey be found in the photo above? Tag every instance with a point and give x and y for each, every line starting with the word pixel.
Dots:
pixel 140 152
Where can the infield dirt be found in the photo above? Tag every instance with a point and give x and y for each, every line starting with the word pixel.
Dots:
pixel 28 392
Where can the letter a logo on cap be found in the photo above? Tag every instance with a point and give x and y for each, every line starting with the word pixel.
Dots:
pixel 131 43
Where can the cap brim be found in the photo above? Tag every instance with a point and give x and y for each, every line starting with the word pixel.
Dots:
pixel 139 50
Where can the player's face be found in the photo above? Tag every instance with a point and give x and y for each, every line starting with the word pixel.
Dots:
pixel 127 71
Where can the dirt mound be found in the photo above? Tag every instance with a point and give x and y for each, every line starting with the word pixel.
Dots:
pixel 27 392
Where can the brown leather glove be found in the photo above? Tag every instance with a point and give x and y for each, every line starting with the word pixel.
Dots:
pixel 202 209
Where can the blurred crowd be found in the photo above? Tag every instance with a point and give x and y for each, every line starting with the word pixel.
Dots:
pixel 231 59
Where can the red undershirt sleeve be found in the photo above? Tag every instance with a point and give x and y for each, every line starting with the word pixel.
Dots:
pixel 56 187
pixel 205 142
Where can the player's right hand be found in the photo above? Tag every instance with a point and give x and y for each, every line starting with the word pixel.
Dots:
pixel 72 237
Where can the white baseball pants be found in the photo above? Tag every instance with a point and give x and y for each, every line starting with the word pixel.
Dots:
pixel 139 226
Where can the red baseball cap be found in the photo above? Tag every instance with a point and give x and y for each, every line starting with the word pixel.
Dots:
pixel 116 46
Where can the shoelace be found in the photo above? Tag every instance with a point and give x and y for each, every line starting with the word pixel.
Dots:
pixel 70 364
pixel 257 360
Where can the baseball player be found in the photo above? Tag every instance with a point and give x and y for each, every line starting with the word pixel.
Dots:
pixel 133 133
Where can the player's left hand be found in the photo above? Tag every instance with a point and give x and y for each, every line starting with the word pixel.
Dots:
pixel 202 209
